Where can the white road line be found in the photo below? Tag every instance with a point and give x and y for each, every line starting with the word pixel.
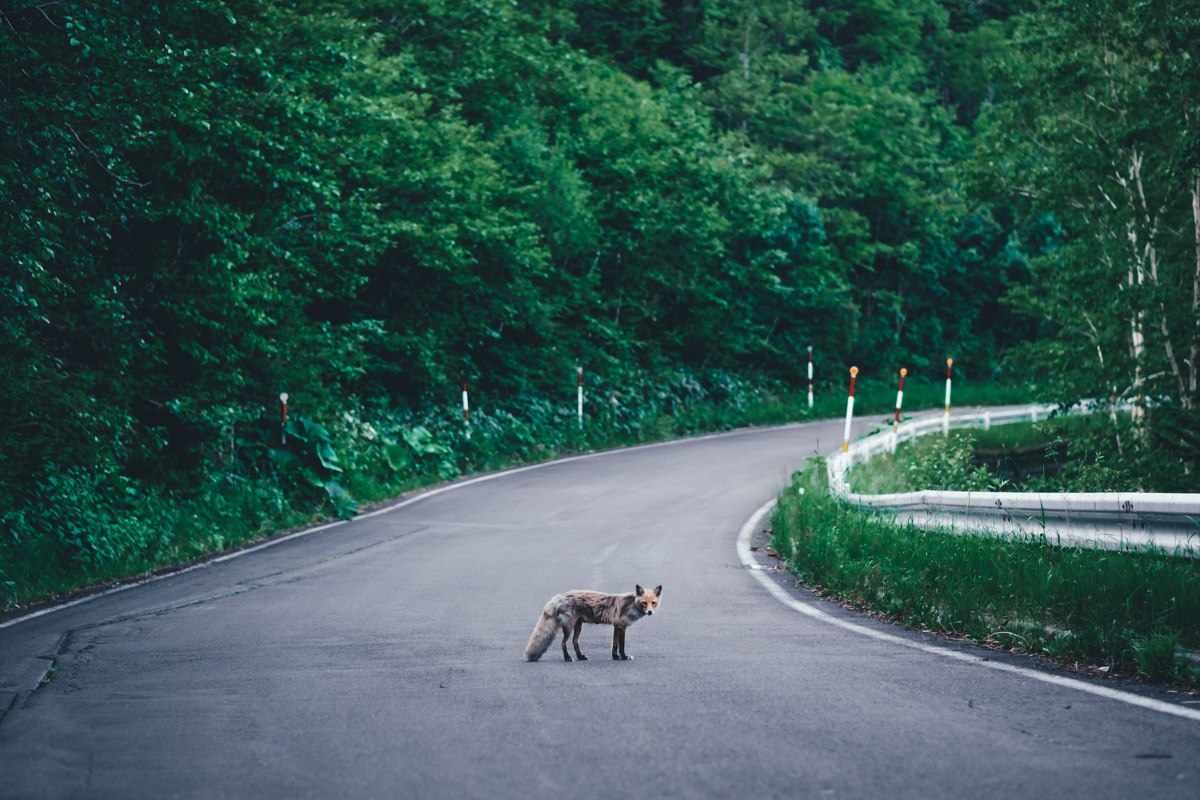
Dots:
pixel 395 507
pixel 746 555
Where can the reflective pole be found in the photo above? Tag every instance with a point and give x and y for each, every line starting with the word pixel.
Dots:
pixel 466 411
pixel 849 410
pixel 946 415
pixel 579 370
pixel 283 396
pixel 899 402
pixel 810 393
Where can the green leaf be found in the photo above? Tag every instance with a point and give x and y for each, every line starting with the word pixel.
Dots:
pixel 399 457
pixel 282 459
pixel 295 427
pixel 447 469
pixel 343 503
pixel 327 457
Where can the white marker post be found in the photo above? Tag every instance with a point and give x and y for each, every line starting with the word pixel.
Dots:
pixel 579 370
pixel 849 410
pixel 283 396
pixel 810 395
pixel 466 411
pixel 946 415
pixel 899 403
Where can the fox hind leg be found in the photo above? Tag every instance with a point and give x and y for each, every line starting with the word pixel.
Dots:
pixel 575 640
pixel 566 629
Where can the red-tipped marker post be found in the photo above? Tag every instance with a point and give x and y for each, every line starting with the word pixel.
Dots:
pixel 810 393
pixel 283 396
pixel 946 415
pixel 849 410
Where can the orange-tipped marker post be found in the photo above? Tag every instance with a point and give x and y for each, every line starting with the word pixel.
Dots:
pixel 899 403
pixel 946 415
pixel 849 410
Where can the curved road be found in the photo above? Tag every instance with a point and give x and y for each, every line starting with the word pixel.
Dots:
pixel 382 658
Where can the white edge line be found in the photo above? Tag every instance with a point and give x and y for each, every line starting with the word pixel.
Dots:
pixel 394 507
pixel 746 555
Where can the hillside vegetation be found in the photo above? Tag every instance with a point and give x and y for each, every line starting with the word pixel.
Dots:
pixel 367 204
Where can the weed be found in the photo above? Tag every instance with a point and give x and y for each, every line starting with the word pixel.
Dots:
pixel 1155 656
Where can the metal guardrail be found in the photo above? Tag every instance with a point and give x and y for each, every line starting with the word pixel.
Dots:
pixel 1112 520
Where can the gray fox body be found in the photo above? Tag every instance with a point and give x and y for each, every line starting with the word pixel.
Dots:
pixel 568 611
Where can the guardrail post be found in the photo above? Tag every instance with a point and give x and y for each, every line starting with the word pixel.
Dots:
pixel 849 410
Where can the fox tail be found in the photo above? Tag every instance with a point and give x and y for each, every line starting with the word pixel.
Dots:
pixel 543 634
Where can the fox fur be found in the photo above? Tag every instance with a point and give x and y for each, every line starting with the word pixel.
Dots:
pixel 568 611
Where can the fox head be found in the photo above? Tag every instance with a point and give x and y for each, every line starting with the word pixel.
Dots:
pixel 647 601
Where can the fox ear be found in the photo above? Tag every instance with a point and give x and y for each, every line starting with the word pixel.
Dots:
pixel 658 590
pixel 638 590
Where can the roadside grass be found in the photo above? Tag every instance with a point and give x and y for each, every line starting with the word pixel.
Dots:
pixel 1131 612
pixel 84 530
pixel 933 461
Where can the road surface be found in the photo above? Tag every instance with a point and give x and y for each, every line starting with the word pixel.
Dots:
pixel 382 658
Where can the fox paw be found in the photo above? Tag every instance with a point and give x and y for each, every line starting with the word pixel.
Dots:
pixel 566 657
pixel 581 657
pixel 622 657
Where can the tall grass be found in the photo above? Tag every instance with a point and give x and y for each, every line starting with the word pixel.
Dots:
pixel 1126 610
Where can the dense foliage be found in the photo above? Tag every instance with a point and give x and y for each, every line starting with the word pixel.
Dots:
pixel 365 203
pixel 1059 454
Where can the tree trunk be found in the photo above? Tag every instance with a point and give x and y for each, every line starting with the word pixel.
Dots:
pixel 1193 367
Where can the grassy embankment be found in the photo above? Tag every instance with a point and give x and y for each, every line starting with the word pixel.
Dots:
pixel 1136 613
pixel 257 487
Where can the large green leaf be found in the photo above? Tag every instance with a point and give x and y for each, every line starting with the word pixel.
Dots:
pixel 343 503
pixel 399 457
pixel 327 457
pixel 422 441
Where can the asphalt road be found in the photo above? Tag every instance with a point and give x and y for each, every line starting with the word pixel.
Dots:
pixel 382 658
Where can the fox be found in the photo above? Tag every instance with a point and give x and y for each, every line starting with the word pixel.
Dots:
pixel 569 610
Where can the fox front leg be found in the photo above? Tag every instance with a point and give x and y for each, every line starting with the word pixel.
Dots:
pixel 575 640
pixel 618 650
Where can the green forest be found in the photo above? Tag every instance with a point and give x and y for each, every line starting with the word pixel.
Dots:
pixel 370 204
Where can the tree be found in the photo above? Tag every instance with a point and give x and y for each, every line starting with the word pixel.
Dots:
pixel 1097 128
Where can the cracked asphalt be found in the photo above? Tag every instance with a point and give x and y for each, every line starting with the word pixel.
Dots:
pixel 382 658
